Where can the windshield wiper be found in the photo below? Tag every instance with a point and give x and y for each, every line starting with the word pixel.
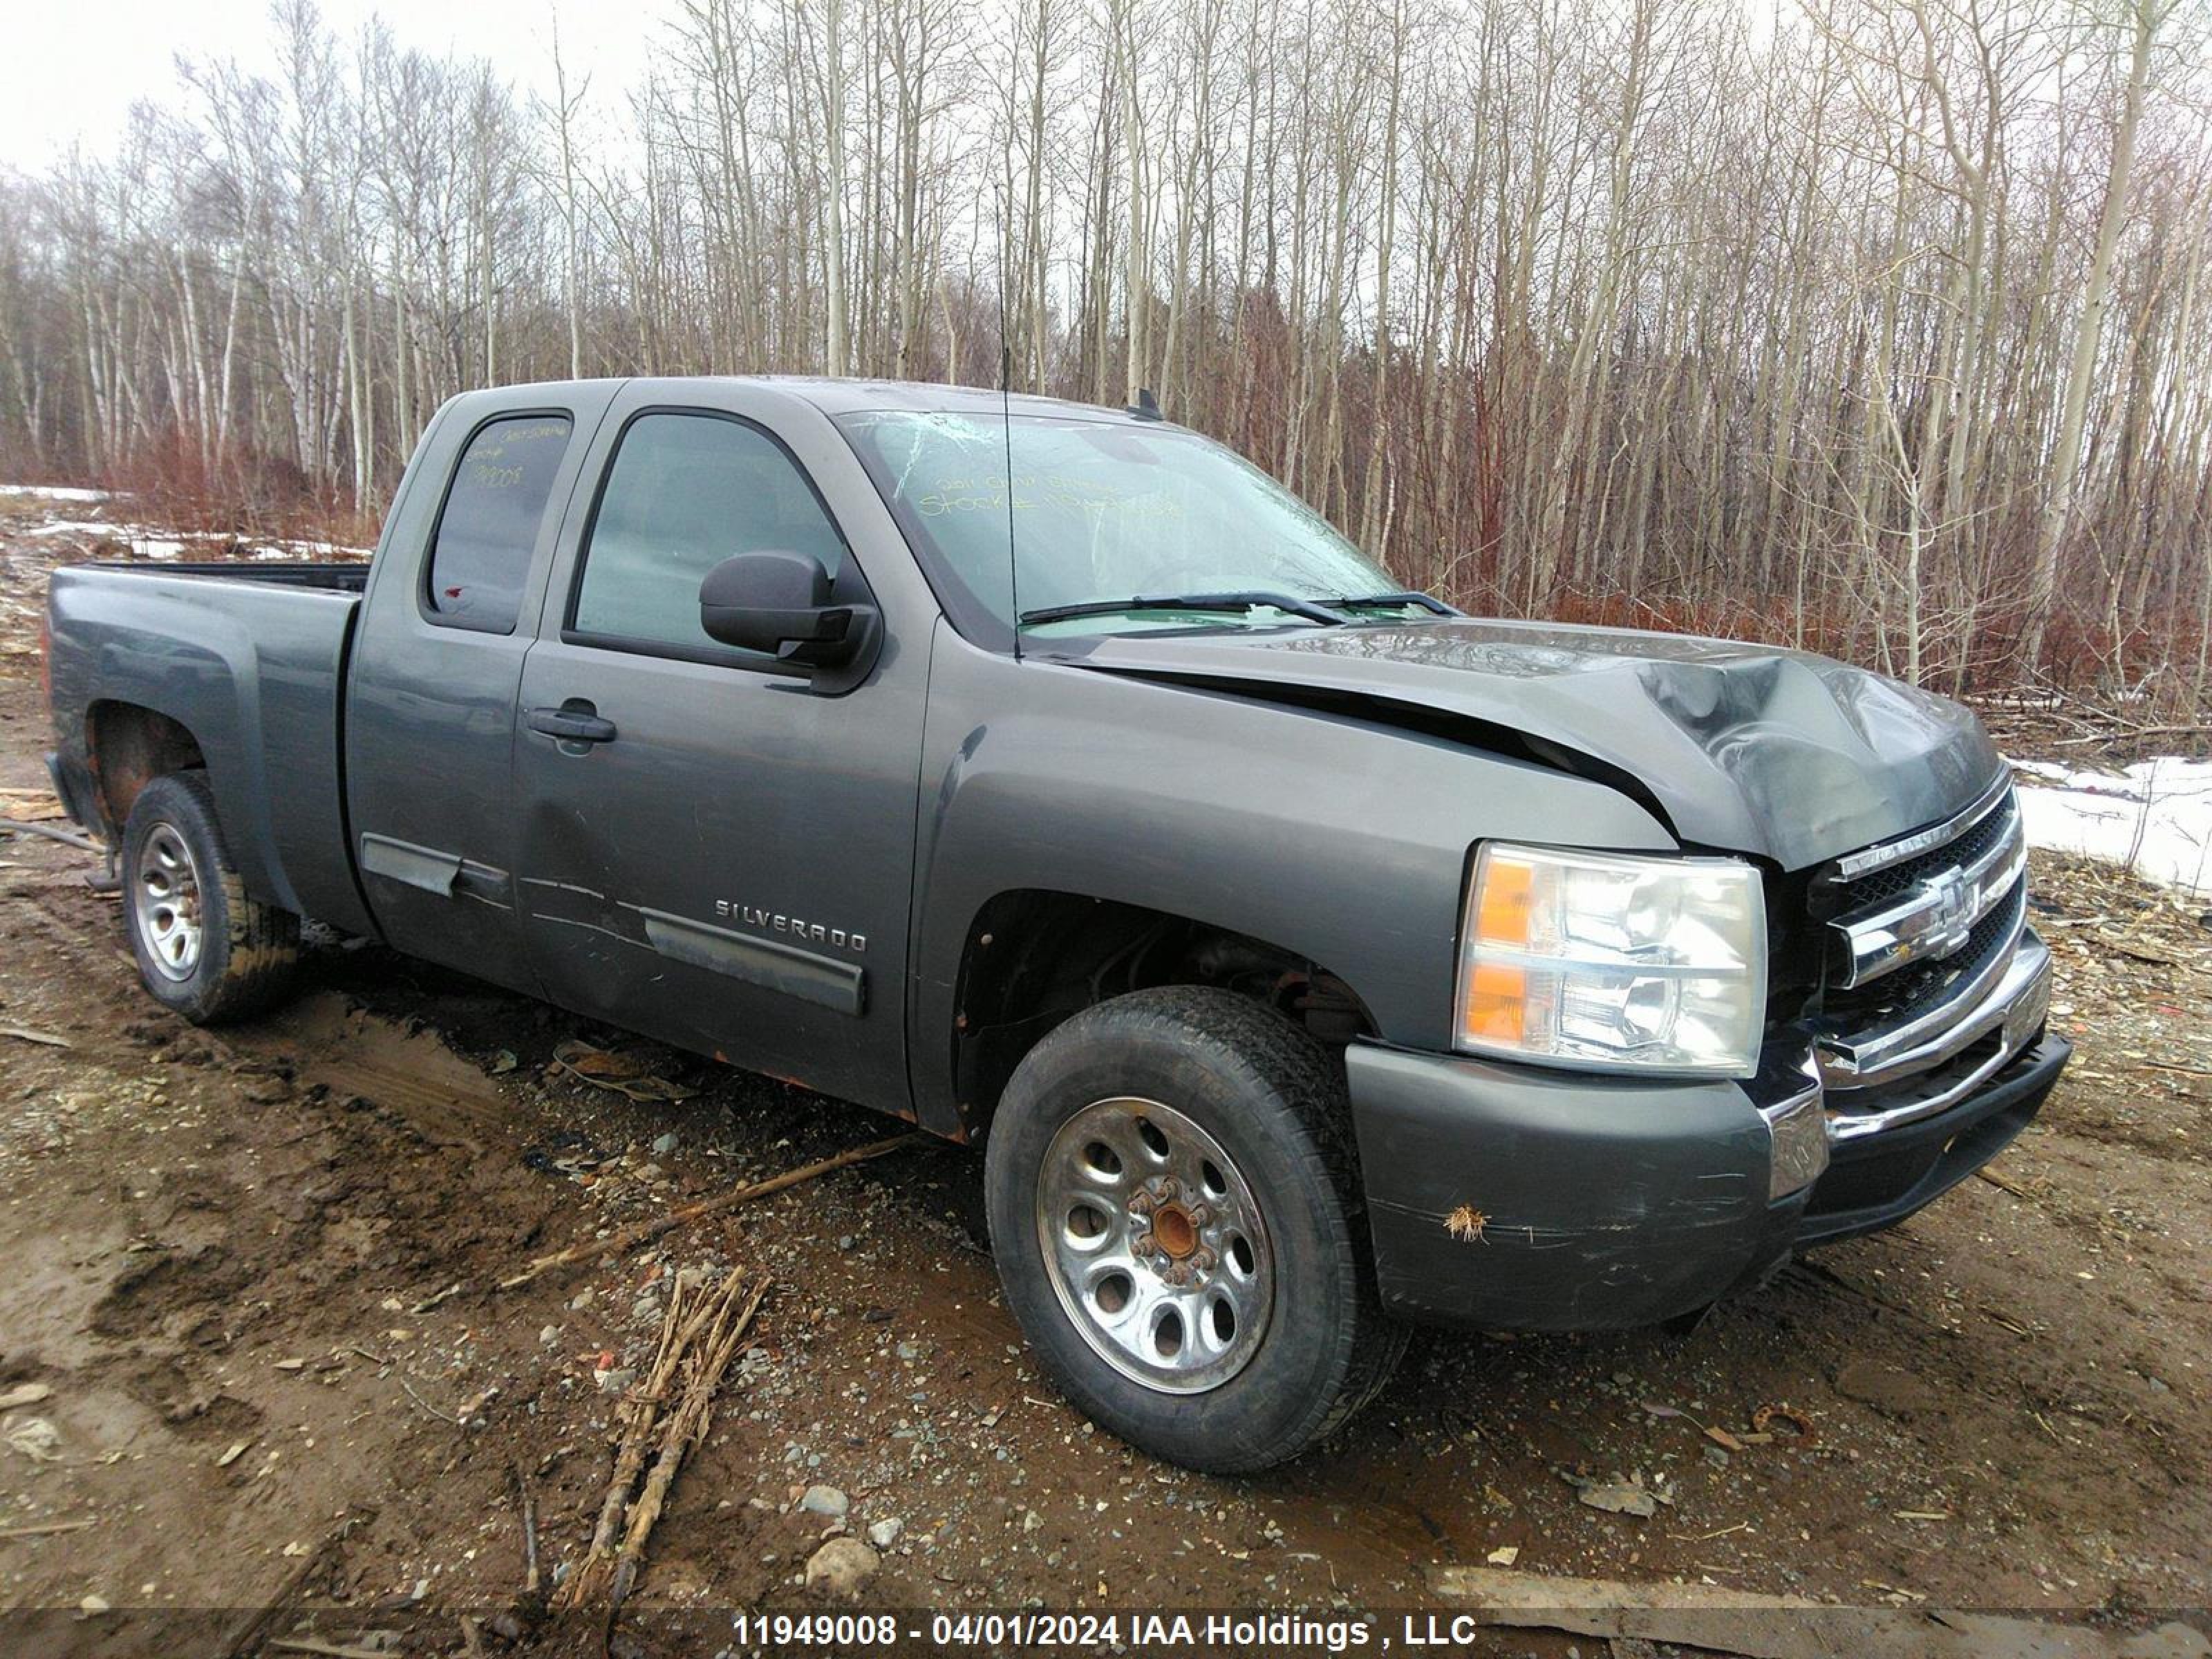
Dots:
pixel 1383 601
pixel 1308 609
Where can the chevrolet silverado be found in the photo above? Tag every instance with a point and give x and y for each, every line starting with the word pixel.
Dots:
pixel 1307 957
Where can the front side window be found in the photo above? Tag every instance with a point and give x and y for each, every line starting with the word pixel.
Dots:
pixel 1100 511
pixel 480 557
pixel 685 493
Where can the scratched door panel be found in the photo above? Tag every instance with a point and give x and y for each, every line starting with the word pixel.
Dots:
pixel 732 870
pixel 444 632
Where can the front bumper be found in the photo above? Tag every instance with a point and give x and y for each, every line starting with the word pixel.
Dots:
pixel 1507 1197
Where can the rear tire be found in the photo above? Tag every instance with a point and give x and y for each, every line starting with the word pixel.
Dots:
pixel 203 947
pixel 1172 1203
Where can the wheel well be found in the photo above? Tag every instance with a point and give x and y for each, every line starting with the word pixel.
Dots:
pixel 127 746
pixel 1033 956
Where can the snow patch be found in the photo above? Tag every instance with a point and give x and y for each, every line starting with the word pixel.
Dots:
pixel 143 540
pixel 2153 818
pixel 57 492
pixel 311 552
pixel 152 541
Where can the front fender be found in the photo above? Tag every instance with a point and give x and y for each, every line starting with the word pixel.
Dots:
pixel 1338 839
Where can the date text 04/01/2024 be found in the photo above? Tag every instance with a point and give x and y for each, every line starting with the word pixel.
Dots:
pixel 1237 1632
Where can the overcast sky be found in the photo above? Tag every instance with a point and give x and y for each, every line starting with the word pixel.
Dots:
pixel 75 66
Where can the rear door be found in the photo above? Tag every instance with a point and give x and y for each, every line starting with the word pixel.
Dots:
pixel 430 706
pixel 729 866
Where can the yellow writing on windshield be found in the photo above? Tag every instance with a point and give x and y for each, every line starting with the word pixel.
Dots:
pixel 1033 492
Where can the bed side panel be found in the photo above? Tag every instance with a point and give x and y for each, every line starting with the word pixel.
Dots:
pixel 252 670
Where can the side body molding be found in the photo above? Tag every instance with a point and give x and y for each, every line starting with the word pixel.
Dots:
pixel 841 986
pixel 445 875
pixel 414 866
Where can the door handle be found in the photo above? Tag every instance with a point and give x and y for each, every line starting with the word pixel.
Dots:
pixel 573 721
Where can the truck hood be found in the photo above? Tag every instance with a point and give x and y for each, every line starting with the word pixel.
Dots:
pixel 1754 748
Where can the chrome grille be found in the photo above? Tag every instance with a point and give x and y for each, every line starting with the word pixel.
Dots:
pixel 1896 996
pixel 1925 960
pixel 1973 842
pixel 1933 907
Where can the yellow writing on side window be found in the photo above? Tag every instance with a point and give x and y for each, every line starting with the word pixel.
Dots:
pixel 485 475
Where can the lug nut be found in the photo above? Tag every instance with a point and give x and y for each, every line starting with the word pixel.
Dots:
pixel 1169 1189
pixel 1142 1203
pixel 1146 1245
pixel 1200 1215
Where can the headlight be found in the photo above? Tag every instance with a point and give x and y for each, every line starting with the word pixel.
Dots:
pixel 1597 960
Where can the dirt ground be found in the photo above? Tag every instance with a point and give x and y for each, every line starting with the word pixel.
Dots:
pixel 253 1274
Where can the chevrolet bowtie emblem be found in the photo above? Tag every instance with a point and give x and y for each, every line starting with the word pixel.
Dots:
pixel 1949 911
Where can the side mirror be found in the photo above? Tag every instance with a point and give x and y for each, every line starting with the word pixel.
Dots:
pixel 779 602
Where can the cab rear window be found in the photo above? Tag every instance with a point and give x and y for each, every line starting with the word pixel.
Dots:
pixel 488 532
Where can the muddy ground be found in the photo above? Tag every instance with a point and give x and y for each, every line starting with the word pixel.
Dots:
pixel 255 1271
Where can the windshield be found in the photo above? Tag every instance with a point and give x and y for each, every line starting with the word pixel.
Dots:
pixel 1102 511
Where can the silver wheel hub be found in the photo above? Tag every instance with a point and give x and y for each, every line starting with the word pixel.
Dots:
pixel 1155 1245
pixel 165 903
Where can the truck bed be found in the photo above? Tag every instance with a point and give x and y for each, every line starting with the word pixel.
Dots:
pixel 248 658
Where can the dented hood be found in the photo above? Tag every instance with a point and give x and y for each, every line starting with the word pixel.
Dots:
pixel 1750 748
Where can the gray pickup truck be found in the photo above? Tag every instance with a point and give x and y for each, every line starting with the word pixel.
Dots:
pixel 1307 957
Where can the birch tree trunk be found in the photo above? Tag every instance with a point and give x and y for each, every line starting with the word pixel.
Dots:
pixel 2145 18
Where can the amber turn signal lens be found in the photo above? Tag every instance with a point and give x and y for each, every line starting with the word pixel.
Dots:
pixel 1502 913
pixel 1495 998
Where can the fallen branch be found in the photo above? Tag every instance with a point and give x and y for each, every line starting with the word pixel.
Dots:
pixel 443 1417
pixel 2171 1066
pixel 699 1346
pixel 686 1428
pixel 46 1039
pixel 1733 1621
pixel 248 1633
pixel 43 1528
pixel 636 1414
pixel 2137 952
pixel 628 1237
pixel 2123 732
pixel 529 1505
pixel 67 837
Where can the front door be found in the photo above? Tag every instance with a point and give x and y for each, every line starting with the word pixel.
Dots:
pixel 430 711
pixel 712 850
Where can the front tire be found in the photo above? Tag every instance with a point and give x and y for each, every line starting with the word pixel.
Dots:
pixel 1172 1207
pixel 203 947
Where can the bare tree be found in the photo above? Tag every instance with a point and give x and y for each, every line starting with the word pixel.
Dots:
pixel 1881 329
pixel 2143 19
